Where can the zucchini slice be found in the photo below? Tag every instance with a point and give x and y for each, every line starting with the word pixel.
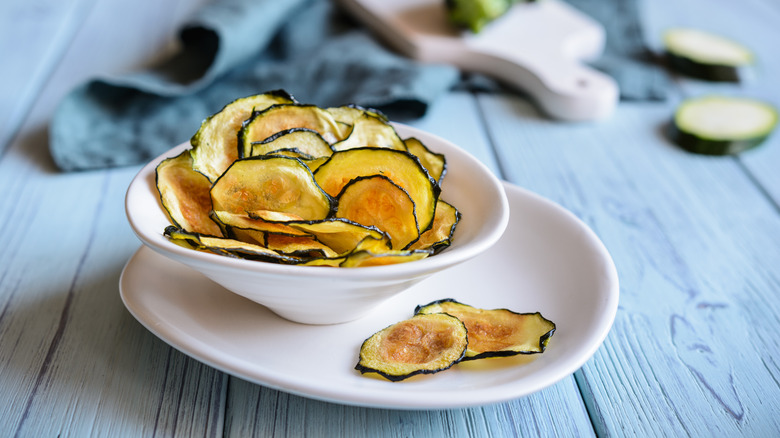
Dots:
pixel 441 233
pixel 423 344
pixel 400 167
pixel 476 14
pixel 340 234
pixel 220 245
pixel 347 114
pixel 215 145
pixel 253 224
pixel 434 163
pixel 298 246
pixel 304 140
pixel 707 56
pixel 358 259
pixel 497 332
pixel 720 125
pixel 376 200
pixel 277 118
pixel 273 183
pixel 370 131
pixel 184 194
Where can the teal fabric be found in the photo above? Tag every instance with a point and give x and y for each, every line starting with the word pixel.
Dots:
pixel 232 49
pixel 311 49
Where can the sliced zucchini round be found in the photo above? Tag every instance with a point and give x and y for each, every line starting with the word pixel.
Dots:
pixel 264 124
pixel 347 114
pixel 720 125
pixel 184 194
pixel 340 234
pixel 253 224
pixel 306 141
pixel 358 259
pixel 376 200
pixel 707 56
pixel 224 246
pixel 443 230
pixel 434 163
pixel 400 167
pixel 370 131
pixel 423 344
pixel 273 183
pixel 306 247
pixel 215 145
pixel 497 332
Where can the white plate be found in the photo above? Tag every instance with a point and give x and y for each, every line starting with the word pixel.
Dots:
pixel 547 261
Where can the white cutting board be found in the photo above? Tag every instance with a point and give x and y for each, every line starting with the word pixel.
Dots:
pixel 538 47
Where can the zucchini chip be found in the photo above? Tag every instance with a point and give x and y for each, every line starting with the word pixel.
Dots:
pixel 378 201
pixel 400 167
pixel 184 194
pixel 215 145
pixel 306 141
pixel 277 118
pixel 298 246
pixel 497 332
pixel 358 259
pixel 247 222
pixel 434 163
pixel 706 56
pixel 340 234
pixel 347 114
pixel 423 344
pixel 273 183
pixel 369 131
pixel 441 233
pixel 225 246
pixel 720 125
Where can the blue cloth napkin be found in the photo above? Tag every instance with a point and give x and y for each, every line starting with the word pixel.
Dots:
pixel 311 49
pixel 232 49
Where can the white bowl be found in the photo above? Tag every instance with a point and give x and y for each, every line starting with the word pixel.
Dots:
pixel 322 295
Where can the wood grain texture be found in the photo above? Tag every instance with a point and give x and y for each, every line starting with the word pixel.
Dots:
pixel 696 247
pixel 33 37
pixel 257 411
pixel 694 350
pixel 73 362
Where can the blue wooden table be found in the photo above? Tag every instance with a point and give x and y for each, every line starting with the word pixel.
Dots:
pixel 694 350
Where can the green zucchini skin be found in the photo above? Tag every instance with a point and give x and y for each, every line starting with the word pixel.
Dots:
pixel 707 56
pixel 540 331
pixel 707 72
pixel 373 360
pixel 701 125
pixel 476 14
pixel 705 146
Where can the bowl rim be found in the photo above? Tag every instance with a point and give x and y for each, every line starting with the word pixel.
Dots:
pixel 144 182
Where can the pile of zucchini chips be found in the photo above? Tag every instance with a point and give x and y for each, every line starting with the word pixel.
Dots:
pixel 275 180
pixel 446 332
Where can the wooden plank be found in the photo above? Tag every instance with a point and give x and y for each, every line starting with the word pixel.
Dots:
pixel 72 359
pixel 33 37
pixel 255 410
pixel 696 245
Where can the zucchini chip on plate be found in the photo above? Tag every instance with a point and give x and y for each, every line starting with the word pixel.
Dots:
pixel 496 332
pixel 423 344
